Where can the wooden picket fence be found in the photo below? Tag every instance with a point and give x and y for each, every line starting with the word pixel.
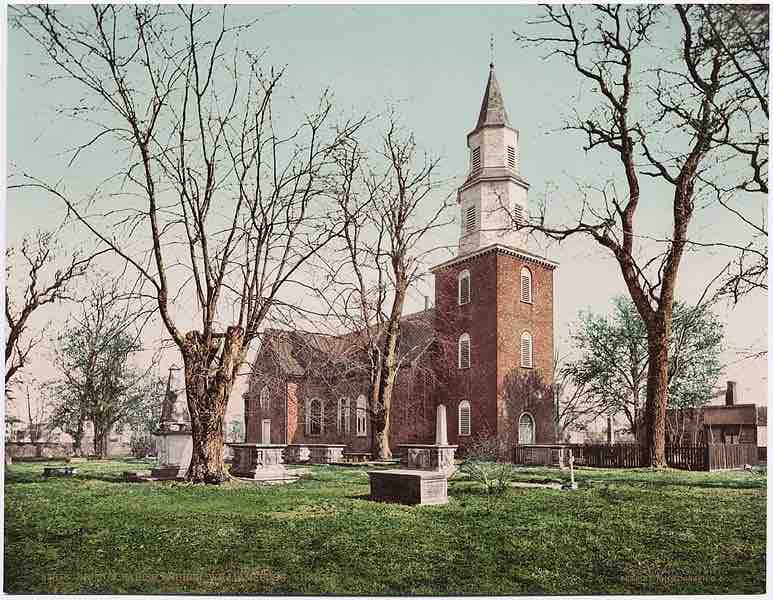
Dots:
pixel 693 458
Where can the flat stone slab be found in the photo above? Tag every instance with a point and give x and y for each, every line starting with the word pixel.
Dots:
pixel 527 484
pixel 59 471
pixel 409 486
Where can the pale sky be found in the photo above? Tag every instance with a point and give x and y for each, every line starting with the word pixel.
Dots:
pixel 434 61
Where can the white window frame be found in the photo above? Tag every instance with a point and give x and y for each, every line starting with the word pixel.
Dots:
pixel 462 276
pixel 527 291
pixel 465 337
pixel 465 405
pixel 533 428
pixel 361 419
pixel 264 399
pixel 527 360
pixel 344 410
pixel 309 403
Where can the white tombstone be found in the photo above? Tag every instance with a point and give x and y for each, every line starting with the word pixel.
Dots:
pixel 174 433
pixel 441 428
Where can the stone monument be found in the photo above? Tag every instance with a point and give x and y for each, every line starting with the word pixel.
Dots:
pixel 425 481
pixel 175 443
pixel 433 457
pixel 260 462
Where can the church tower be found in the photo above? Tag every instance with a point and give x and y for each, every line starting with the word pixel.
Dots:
pixel 494 300
pixel 493 196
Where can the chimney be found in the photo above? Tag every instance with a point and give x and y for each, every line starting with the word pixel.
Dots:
pixel 731 395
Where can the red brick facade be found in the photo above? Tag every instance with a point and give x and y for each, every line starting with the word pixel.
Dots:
pixel 497 387
pixel 501 391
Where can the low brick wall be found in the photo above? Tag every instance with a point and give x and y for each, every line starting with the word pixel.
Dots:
pixel 32 450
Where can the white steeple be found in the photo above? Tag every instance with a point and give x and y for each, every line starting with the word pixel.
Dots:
pixel 494 189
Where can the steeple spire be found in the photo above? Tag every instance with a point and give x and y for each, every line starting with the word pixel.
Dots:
pixel 492 109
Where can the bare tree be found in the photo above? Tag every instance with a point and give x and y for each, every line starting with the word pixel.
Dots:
pixel 36 274
pixel 741 32
pixel 390 204
pixel 227 199
pixel 693 111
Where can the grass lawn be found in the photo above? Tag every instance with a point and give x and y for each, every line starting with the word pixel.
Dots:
pixel 631 531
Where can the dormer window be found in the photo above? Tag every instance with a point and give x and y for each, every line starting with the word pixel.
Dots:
pixel 470 219
pixel 476 159
pixel 511 157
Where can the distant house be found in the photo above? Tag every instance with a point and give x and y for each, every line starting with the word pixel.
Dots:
pixel 731 423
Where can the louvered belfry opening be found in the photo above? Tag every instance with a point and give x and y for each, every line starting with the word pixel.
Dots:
pixel 476 160
pixel 470 219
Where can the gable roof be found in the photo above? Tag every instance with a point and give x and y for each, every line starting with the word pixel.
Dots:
pixel 297 352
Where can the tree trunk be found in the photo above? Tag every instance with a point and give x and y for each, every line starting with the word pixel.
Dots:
pixel 100 437
pixel 207 390
pixel 387 375
pixel 657 390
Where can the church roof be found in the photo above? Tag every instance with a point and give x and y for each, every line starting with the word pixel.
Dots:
pixel 298 353
pixel 492 109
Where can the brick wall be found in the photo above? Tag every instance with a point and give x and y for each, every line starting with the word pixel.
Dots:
pixel 497 387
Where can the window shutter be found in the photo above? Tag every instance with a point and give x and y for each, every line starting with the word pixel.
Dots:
pixel 526 351
pixel 464 289
pixel 470 219
pixel 464 353
pixel 525 286
pixel 476 160
pixel 511 157
pixel 519 214
pixel 464 418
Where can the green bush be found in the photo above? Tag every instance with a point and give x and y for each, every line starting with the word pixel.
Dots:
pixel 481 465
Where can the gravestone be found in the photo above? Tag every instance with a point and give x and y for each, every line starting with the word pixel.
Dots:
pixel 260 462
pixel 425 481
pixel 434 457
pixel 175 443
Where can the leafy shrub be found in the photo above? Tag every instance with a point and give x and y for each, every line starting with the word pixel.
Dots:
pixel 481 465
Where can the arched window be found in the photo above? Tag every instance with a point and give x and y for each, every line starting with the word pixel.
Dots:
pixel 265 398
pixel 526 429
pixel 343 415
pixel 526 295
pixel 526 350
pixel 315 413
pixel 464 351
pixel 362 416
pixel 464 287
pixel 464 418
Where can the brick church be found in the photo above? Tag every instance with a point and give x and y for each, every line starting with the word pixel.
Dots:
pixel 485 349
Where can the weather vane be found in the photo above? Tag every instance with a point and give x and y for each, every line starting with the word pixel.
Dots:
pixel 491 46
